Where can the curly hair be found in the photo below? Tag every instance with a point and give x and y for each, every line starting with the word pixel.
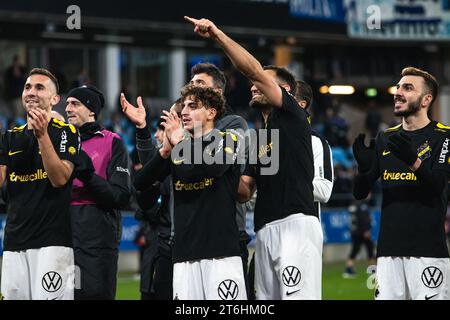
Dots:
pixel 209 97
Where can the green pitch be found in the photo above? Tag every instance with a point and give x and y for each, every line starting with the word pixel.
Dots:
pixel 335 287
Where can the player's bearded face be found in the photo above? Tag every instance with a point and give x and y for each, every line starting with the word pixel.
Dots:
pixel 36 93
pixel 259 100
pixel 412 107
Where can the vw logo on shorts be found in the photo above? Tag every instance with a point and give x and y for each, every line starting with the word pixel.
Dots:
pixel 228 290
pixel 291 276
pixel 432 277
pixel 51 281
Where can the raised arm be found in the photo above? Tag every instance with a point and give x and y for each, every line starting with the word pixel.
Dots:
pixel 242 60
pixel 58 171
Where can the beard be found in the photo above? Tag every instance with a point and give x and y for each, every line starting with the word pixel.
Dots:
pixel 259 103
pixel 413 108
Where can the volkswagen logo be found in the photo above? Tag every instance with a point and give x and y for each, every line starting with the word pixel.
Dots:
pixel 291 276
pixel 432 277
pixel 228 290
pixel 51 281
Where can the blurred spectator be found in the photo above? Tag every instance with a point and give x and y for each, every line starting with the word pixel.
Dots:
pixel 120 125
pixel 237 92
pixel 82 79
pixel 342 187
pixel 15 77
pixel 373 119
pixel 336 128
pixel 361 234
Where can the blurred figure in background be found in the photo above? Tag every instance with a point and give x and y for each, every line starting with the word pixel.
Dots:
pixel 155 216
pixel 373 119
pixel 15 77
pixel 360 229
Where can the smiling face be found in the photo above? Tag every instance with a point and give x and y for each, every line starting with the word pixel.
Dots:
pixel 77 113
pixel 39 92
pixel 411 96
pixel 259 100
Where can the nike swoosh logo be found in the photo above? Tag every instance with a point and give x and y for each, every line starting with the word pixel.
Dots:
pixel 429 297
pixel 178 161
pixel 292 292
pixel 385 153
pixel 10 153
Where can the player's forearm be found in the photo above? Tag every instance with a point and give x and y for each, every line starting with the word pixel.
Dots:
pixel 146 149
pixel 241 58
pixel 246 189
pixel 109 195
pixel 57 171
pixel 155 170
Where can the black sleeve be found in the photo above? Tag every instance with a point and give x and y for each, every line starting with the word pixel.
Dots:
pixel 68 144
pixel 231 121
pixel 154 170
pixel 436 178
pixel 115 192
pixel 291 105
pixel 148 198
pixel 249 170
pixel 144 145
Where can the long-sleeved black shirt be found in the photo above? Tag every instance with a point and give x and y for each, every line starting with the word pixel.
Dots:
pixel 204 195
pixel 414 203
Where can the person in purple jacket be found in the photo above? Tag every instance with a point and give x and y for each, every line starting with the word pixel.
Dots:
pixel 102 187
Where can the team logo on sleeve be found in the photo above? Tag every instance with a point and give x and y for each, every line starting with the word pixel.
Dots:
pixel 228 290
pixel 424 151
pixel 72 150
pixel 432 277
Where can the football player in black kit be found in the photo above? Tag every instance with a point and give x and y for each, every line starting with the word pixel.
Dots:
pixel 38 160
pixel 206 254
pixel 288 256
pixel 412 161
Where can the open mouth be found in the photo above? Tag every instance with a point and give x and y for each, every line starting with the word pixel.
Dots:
pixel 399 102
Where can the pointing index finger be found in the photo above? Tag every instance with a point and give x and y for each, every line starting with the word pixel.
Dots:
pixel 191 20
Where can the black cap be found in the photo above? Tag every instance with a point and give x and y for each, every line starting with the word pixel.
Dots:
pixel 90 96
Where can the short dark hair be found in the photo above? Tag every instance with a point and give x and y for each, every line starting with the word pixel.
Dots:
pixel 430 81
pixel 304 92
pixel 219 80
pixel 48 74
pixel 284 76
pixel 209 97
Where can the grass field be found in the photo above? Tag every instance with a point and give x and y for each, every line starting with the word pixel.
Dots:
pixel 334 286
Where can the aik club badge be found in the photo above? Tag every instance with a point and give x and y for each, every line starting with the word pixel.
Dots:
pixel 424 151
